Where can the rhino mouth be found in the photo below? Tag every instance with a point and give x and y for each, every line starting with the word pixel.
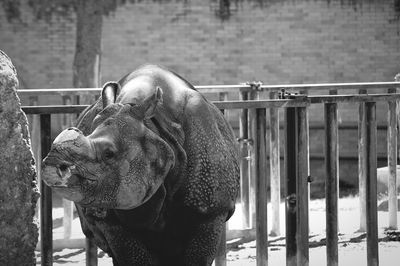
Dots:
pixel 63 178
pixel 66 172
pixel 58 173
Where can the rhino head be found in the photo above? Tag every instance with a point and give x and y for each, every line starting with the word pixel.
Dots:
pixel 120 165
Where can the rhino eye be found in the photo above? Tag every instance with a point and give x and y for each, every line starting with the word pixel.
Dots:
pixel 108 122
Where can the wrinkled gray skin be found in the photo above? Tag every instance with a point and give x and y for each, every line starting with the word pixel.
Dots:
pixel 152 167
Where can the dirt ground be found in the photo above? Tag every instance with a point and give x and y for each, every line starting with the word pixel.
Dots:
pixel 352 244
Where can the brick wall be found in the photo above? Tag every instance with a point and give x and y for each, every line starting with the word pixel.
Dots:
pixel 42 52
pixel 277 42
pixel 281 42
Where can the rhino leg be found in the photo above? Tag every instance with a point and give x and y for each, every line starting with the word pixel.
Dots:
pixel 112 238
pixel 202 247
pixel 125 249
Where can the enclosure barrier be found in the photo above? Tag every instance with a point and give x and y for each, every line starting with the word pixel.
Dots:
pixel 296 163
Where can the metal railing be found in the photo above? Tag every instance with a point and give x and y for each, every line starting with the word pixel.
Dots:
pixel 253 130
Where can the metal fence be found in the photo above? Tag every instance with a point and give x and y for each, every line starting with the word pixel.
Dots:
pixel 253 149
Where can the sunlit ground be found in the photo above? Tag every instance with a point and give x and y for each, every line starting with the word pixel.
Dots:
pixel 352 244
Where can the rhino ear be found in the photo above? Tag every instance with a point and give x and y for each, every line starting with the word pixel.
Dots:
pixel 150 103
pixel 109 93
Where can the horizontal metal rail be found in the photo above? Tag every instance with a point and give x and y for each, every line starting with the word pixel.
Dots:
pixel 228 88
pixel 60 109
pixel 298 101
pixel 334 86
pixel 54 109
pixel 62 91
pixel 386 97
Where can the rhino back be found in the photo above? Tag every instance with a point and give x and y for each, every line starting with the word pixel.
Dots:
pixel 141 84
pixel 212 181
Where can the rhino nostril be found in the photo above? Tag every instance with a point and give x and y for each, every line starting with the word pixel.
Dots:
pixel 63 167
pixel 64 171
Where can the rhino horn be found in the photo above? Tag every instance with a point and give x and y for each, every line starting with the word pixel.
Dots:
pixel 69 134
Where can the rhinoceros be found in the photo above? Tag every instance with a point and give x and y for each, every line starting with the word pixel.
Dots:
pixel 152 168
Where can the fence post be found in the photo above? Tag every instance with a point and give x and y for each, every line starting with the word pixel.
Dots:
pixel 392 162
pixel 331 183
pixel 291 148
pixel 223 96
pixel 302 188
pixel 305 93
pixel 68 206
pixel 68 217
pixel 91 252
pixel 36 149
pixel 296 177
pixel 371 183
pixel 220 259
pixel 362 164
pixel 253 95
pixel 46 217
pixel 274 159
pixel 244 162
pixel 261 188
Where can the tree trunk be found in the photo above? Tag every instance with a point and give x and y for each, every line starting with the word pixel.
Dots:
pixel 86 69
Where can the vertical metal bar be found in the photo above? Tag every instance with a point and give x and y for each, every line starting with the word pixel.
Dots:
pixel 67 119
pixel 397 78
pixel 67 204
pixel 46 220
pixel 275 173
pixel 305 92
pixel 331 183
pixel 371 183
pixel 220 259
pixel 261 188
pixel 91 252
pixel 291 129
pixel 244 163
pixel 36 149
pixel 253 95
pixel 302 188
pixel 68 217
pixel 362 164
pixel 223 96
pixel 392 161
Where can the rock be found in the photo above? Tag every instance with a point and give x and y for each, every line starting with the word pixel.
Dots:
pixel 18 186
